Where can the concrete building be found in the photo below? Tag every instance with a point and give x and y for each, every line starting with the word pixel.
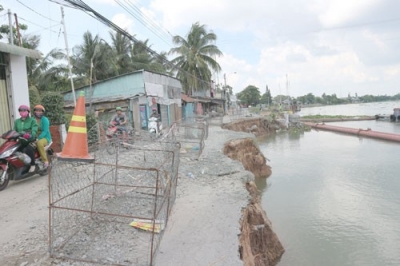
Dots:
pixel 14 89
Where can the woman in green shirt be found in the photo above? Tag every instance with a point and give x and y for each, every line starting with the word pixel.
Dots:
pixel 44 137
pixel 27 126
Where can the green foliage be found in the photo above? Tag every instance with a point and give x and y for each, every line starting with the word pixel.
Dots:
pixel 195 58
pixel 266 98
pixel 249 96
pixel 54 104
pixel 379 98
pixel 34 96
pixel 91 122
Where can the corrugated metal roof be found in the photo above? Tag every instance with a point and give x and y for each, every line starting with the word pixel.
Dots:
pixel 187 98
pixel 100 100
pixel 16 50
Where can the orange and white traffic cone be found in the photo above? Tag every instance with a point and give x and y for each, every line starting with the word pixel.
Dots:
pixel 76 145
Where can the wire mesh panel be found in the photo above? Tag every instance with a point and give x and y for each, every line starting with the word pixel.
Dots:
pixel 216 119
pixel 191 139
pixel 112 210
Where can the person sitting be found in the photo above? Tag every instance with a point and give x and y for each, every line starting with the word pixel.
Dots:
pixel 27 126
pixel 155 114
pixel 119 120
pixel 44 137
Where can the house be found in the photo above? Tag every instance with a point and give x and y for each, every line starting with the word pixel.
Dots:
pixel 13 82
pixel 208 100
pixel 137 93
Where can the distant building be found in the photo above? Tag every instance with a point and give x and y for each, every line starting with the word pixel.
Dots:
pixel 137 93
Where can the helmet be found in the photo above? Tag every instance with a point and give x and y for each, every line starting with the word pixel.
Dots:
pixel 118 109
pixel 24 107
pixel 39 107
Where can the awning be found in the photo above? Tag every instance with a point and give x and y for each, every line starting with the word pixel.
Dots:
pixel 16 50
pixel 186 98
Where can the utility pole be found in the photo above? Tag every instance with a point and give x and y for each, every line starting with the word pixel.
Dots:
pixel 17 26
pixel 69 60
pixel 11 27
pixel 224 90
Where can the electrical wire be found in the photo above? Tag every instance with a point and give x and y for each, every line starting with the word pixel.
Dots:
pixel 146 21
pixel 40 26
pixel 79 4
pixel 150 20
pixel 36 11
pixel 152 29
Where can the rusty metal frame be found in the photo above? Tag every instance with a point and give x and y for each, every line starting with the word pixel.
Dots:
pixel 169 187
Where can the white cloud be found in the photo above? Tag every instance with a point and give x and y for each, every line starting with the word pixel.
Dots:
pixel 124 22
pixel 338 12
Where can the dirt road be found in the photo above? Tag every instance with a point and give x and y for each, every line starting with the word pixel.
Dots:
pixel 204 224
pixel 23 221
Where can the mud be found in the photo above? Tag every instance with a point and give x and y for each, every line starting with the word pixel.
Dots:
pixel 246 152
pixel 260 126
pixel 259 245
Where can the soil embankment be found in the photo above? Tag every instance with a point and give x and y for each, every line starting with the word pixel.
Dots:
pixel 246 152
pixel 260 126
pixel 259 245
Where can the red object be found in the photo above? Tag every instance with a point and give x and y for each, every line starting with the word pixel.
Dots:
pixel 76 145
pixel 359 132
pixel 13 168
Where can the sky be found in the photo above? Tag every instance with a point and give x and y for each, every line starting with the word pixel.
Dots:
pixel 297 47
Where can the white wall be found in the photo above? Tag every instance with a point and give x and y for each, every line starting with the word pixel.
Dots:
pixel 19 83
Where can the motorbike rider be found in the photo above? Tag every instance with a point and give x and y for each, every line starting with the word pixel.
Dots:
pixel 120 120
pixel 44 137
pixel 27 126
pixel 155 114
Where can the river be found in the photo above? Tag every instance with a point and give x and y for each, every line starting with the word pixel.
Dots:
pixel 333 199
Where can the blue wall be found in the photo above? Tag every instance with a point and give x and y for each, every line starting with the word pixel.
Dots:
pixel 126 85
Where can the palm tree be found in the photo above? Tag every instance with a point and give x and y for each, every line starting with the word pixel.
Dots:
pixel 143 59
pixel 46 76
pixel 92 60
pixel 195 58
pixel 121 49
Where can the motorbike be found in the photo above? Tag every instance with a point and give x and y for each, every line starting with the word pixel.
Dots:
pixel 115 137
pixel 155 127
pixel 14 165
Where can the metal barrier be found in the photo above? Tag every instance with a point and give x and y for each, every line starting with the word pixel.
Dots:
pixel 113 210
pixel 236 114
pixel 216 119
pixel 190 134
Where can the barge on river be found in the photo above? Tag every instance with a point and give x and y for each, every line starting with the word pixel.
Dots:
pixel 395 117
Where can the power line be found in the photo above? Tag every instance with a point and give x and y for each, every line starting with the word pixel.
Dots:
pixel 161 28
pixel 146 21
pixel 40 25
pixel 36 11
pixel 79 4
pixel 153 30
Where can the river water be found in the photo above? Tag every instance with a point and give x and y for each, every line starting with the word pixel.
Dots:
pixel 334 199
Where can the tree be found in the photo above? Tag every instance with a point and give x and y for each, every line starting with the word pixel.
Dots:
pixel 266 97
pixel 249 96
pixel 92 60
pixel 195 58
pixel 44 75
pixel 5 30
pixel 142 59
pixel 121 46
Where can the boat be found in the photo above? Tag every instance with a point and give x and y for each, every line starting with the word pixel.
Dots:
pixel 395 117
